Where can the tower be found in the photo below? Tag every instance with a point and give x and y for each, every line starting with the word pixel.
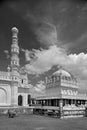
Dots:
pixel 14 67
pixel 14 49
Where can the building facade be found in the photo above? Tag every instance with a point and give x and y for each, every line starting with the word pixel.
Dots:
pixel 62 95
pixel 14 88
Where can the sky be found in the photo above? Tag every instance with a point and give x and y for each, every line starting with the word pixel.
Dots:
pixel 52 33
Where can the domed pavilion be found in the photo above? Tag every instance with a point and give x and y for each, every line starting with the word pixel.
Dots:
pixel 62 94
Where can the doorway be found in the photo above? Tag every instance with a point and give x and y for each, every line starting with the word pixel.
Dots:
pixel 29 99
pixel 20 100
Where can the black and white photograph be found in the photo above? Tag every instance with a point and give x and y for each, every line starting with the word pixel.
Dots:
pixel 43 65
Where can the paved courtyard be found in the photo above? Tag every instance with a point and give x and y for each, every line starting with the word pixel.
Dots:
pixel 35 122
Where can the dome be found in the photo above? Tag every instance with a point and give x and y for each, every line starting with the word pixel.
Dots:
pixel 14 29
pixel 62 73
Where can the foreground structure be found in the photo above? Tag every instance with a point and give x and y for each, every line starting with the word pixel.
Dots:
pixel 62 96
pixel 14 88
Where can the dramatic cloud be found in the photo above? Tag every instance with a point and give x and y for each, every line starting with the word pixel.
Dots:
pixel 53 21
pixel 54 25
pixel 47 34
pixel 46 59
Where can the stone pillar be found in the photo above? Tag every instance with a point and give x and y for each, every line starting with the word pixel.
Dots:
pixel 72 102
pixel 75 102
pixel 61 107
pixel 14 95
pixel 25 103
pixel 47 102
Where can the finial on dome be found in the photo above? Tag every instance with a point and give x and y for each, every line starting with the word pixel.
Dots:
pixel 14 30
pixel 14 33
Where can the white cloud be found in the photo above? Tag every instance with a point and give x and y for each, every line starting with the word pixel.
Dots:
pixel 45 59
pixel 38 89
pixel 40 86
pixel 7 53
pixel 75 63
pixel 27 53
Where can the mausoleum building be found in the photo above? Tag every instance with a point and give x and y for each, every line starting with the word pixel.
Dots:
pixel 62 95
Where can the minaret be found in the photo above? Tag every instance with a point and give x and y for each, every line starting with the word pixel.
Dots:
pixel 14 49
pixel 14 67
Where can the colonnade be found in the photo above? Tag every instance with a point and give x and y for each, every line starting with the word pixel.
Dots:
pixel 56 102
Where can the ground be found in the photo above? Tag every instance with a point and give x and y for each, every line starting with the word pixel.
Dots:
pixel 35 122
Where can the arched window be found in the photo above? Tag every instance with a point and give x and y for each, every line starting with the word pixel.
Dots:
pixel 22 81
pixel 20 100
pixel 29 99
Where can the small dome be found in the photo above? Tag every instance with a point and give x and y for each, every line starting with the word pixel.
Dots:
pixel 14 29
pixel 62 73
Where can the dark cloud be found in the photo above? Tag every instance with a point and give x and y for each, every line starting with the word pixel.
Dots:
pixel 68 16
pixel 42 22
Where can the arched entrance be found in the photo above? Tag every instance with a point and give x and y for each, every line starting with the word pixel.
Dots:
pixel 29 99
pixel 3 97
pixel 20 100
